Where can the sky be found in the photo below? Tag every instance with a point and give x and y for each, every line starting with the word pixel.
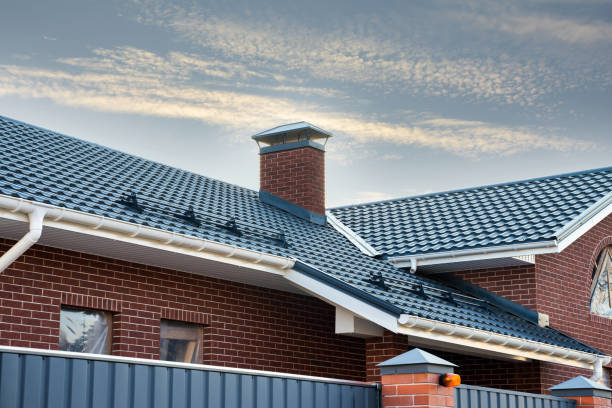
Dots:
pixel 421 96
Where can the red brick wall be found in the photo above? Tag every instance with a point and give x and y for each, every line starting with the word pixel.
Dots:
pixel 296 175
pixel 517 283
pixel 564 293
pixel 560 286
pixel 479 371
pixel 245 326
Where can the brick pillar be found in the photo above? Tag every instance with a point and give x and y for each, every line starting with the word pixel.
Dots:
pixel 412 379
pixel 587 393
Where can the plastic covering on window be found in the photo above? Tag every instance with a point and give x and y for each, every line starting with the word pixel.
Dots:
pixel 180 342
pixel 85 331
pixel 601 301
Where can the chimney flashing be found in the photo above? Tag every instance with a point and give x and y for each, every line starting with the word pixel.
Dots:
pixel 291 208
pixel 291 146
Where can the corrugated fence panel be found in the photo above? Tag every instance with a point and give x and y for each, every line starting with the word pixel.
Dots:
pixel 469 396
pixel 28 380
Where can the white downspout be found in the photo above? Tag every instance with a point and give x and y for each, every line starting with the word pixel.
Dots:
pixel 413 264
pixel 36 224
pixel 597 370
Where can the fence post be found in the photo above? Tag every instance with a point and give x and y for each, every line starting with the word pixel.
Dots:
pixel 587 393
pixel 413 379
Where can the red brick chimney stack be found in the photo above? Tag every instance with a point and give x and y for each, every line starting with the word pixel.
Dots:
pixel 292 169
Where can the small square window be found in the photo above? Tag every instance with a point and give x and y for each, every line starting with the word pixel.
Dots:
pixel 85 330
pixel 180 342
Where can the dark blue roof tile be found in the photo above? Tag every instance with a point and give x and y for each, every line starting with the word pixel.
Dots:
pixel 503 214
pixel 44 166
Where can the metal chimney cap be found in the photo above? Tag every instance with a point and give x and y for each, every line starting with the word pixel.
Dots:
pixel 291 133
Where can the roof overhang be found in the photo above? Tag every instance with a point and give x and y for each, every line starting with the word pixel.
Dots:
pixel 507 255
pixel 78 231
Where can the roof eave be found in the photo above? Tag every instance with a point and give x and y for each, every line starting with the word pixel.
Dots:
pixel 499 344
pixel 564 237
pixel 302 275
pixel 516 252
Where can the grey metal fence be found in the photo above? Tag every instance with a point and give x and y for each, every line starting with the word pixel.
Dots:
pixel 51 379
pixel 470 396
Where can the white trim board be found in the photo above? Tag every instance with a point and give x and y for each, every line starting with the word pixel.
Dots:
pixel 351 235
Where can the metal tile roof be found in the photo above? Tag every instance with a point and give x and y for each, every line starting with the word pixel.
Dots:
pixel 44 166
pixel 503 214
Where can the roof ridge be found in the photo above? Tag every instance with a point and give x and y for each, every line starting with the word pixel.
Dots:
pixel 125 153
pixel 575 173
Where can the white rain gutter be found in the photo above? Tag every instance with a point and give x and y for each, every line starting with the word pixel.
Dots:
pixel 566 235
pixel 53 216
pixel 36 216
pixel 598 370
pixel 484 340
pixel 464 255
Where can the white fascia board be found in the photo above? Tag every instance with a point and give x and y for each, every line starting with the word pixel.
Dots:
pixel 587 220
pixel 76 221
pixel 351 235
pixel 466 255
pixel 340 299
pixel 495 343
pixel 565 237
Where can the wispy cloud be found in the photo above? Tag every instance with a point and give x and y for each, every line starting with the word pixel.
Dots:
pixel 550 27
pixel 47 38
pixel 346 55
pixel 373 196
pixel 150 84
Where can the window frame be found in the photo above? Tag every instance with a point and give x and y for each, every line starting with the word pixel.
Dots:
pixel 109 326
pixel 199 346
pixel 603 263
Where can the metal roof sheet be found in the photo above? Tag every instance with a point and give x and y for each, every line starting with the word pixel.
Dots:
pixel 503 214
pixel 44 166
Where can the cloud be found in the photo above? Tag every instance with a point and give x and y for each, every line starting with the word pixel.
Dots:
pixel 21 57
pixel 374 196
pixel 370 196
pixel 392 157
pixel 562 29
pixel 129 80
pixel 46 38
pixel 346 55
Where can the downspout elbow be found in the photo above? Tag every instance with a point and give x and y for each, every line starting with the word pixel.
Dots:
pixel 30 238
pixel 598 369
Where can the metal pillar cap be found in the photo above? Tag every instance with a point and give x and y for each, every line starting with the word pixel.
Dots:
pixel 581 387
pixel 416 361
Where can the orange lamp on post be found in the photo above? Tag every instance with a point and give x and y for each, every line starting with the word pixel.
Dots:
pixel 450 380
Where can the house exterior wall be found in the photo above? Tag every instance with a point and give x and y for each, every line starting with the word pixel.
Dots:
pixel 244 326
pixel 515 283
pixel 296 175
pixel 563 284
pixel 558 285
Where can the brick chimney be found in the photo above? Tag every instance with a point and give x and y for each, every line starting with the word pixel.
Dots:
pixel 292 169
